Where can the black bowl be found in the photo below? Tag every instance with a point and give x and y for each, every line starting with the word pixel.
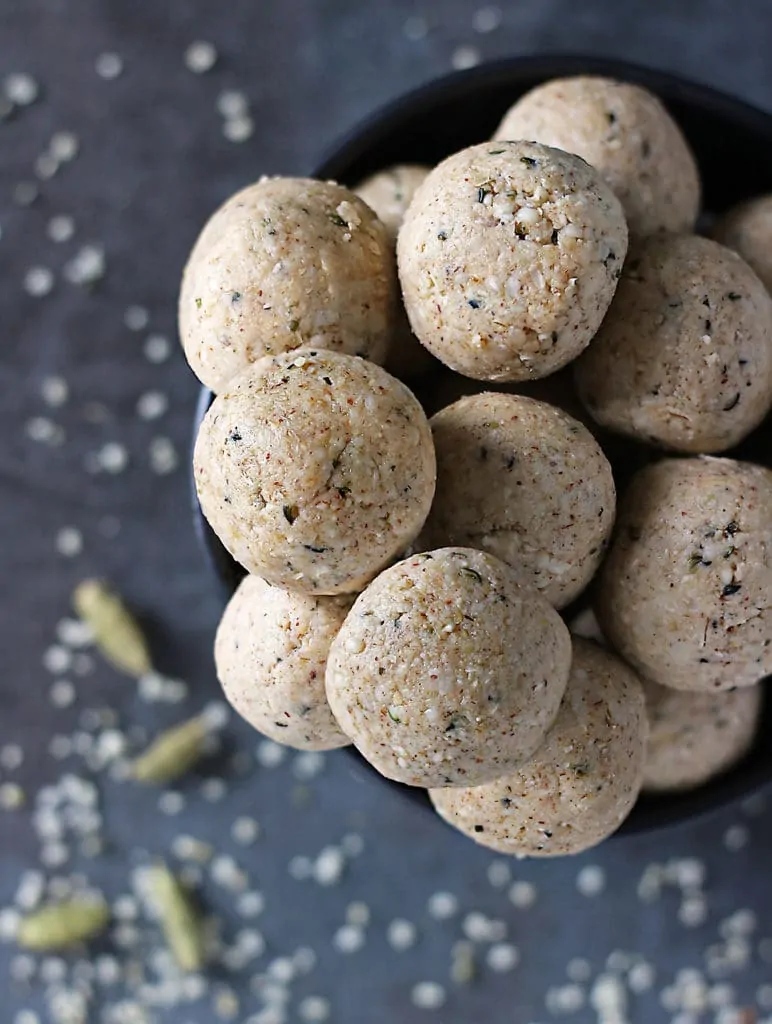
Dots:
pixel 733 145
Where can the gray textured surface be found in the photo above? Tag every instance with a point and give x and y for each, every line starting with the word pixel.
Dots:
pixel 153 163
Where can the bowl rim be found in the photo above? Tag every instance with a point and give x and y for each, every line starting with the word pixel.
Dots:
pixel 652 812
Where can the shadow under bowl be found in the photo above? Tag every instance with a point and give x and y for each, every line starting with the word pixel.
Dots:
pixel 732 142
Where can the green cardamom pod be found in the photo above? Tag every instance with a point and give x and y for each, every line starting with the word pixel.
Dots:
pixel 60 925
pixel 173 752
pixel 116 632
pixel 181 925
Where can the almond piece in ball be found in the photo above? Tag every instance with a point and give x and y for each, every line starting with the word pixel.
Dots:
pixel 696 736
pixel 508 256
pixel 271 652
pixel 627 134
pixel 284 263
pixel 684 356
pixel 446 672
pixel 315 470
pixel 526 482
pixel 582 782
pixel 684 593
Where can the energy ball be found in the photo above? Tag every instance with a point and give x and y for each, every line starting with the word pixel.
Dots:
pixel 389 193
pixel 284 263
pixel 315 470
pixel 446 672
pixel 582 782
pixel 695 736
pixel 627 134
pixel 526 482
pixel 684 593
pixel 684 356
pixel 508 258
pixel 271 651
pixel 747 229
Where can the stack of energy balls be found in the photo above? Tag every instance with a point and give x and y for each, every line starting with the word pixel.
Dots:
pixel 406 576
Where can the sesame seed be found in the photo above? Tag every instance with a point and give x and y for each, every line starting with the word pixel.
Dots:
pixel 46 165
pixel 314 1009
pixel 352 844
pixel 522 894
pixel 464 57
pixel 62 693
pixel 591 880
pixel 250 904
pixel 300 868
pixel 44 431
pixel 245 830
pixel 428 995
pixel 358 913
pixel 25 193
pixel 11 756
pixel 108 65
pixel 693 911
pixel 60 228
pixel 442 906
pixel 21 89
pixel 415 28
pixel 157 348
pixel 54 391
pixel 401 934
pixel 479 928
pixel 348 938
pixel 213 790
pixel 38 281
pixel 69 541
pixel 238 129
pixel 499 874
pixel 151 405
pixel 641 977
pixel 486 19
pixel 308 764
pixel 163 456
pixel 329 866
pixel 565 999
pixel 579 969
pixel 200 57
pixel 87 266
pixel 225 872
pixel 689 873
pixel 502 957
pixel 64 146
pixel 232 104
pixel 736 837
pixel 113 457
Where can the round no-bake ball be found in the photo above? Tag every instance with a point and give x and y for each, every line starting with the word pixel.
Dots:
pixel 684 593
pixel 684 356
pixel 284 263
pixel 508 258
pixel 526 482
pixel 583 780
pixel 695 736
pixel 747 228
pixel 315 469
pixel 271 652
pixel 390 192
pixel 627 134
pixel 446 672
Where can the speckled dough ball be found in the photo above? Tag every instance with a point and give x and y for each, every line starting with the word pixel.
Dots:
pixel 747 229
pixel 508 258
pixel 626 133
pixel 284 263
pixel 524 481
pixel 446 672
pixel 684 356
pixel 582 782
pixel 695 736
pixel 390 192
pixel 271 652
pixel 684 594
pixel 315 470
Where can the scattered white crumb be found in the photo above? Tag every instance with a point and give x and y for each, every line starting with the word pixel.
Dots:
pixel 151 405
pixel 238 129
pixel 250 904
pixel 479 928
pixel 11 757
pixel 579 969
pixel 60 228
pixel 136 318
pixel 46 165
pixel 245 830
pixel 428 995
pixel 736 837
pixel 401 934
pixel 171 802
pixel 25 193
pixel 213 789
pixel 109 65
pixel 87 266
pixel 415 28
pixel 499 873
pixel 502 957
pixel 566 999
pixel 314 1009
pixel 54 391
pixel 486 19
pixel 163 456
pixel 64 147
pixel 157 348
pixel 442 905
pixel 329 866
pixel 200 57
pixel 693 911
pixel 358 913
pixel 352 844
pixel 641 977
pixel 44 431
pixel 464 57
pixel 231 104
pixel 308 764
pixel 349 938
pixel 591 880
pixel 300 868
pixel 522 894
pixel 62 693
pixel 69 541
pixel 21 88
pixel 38 281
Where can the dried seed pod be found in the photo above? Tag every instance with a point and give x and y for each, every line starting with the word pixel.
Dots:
pixel 173 753
pixel 116 632
pixel 181 924
pixel 60 925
